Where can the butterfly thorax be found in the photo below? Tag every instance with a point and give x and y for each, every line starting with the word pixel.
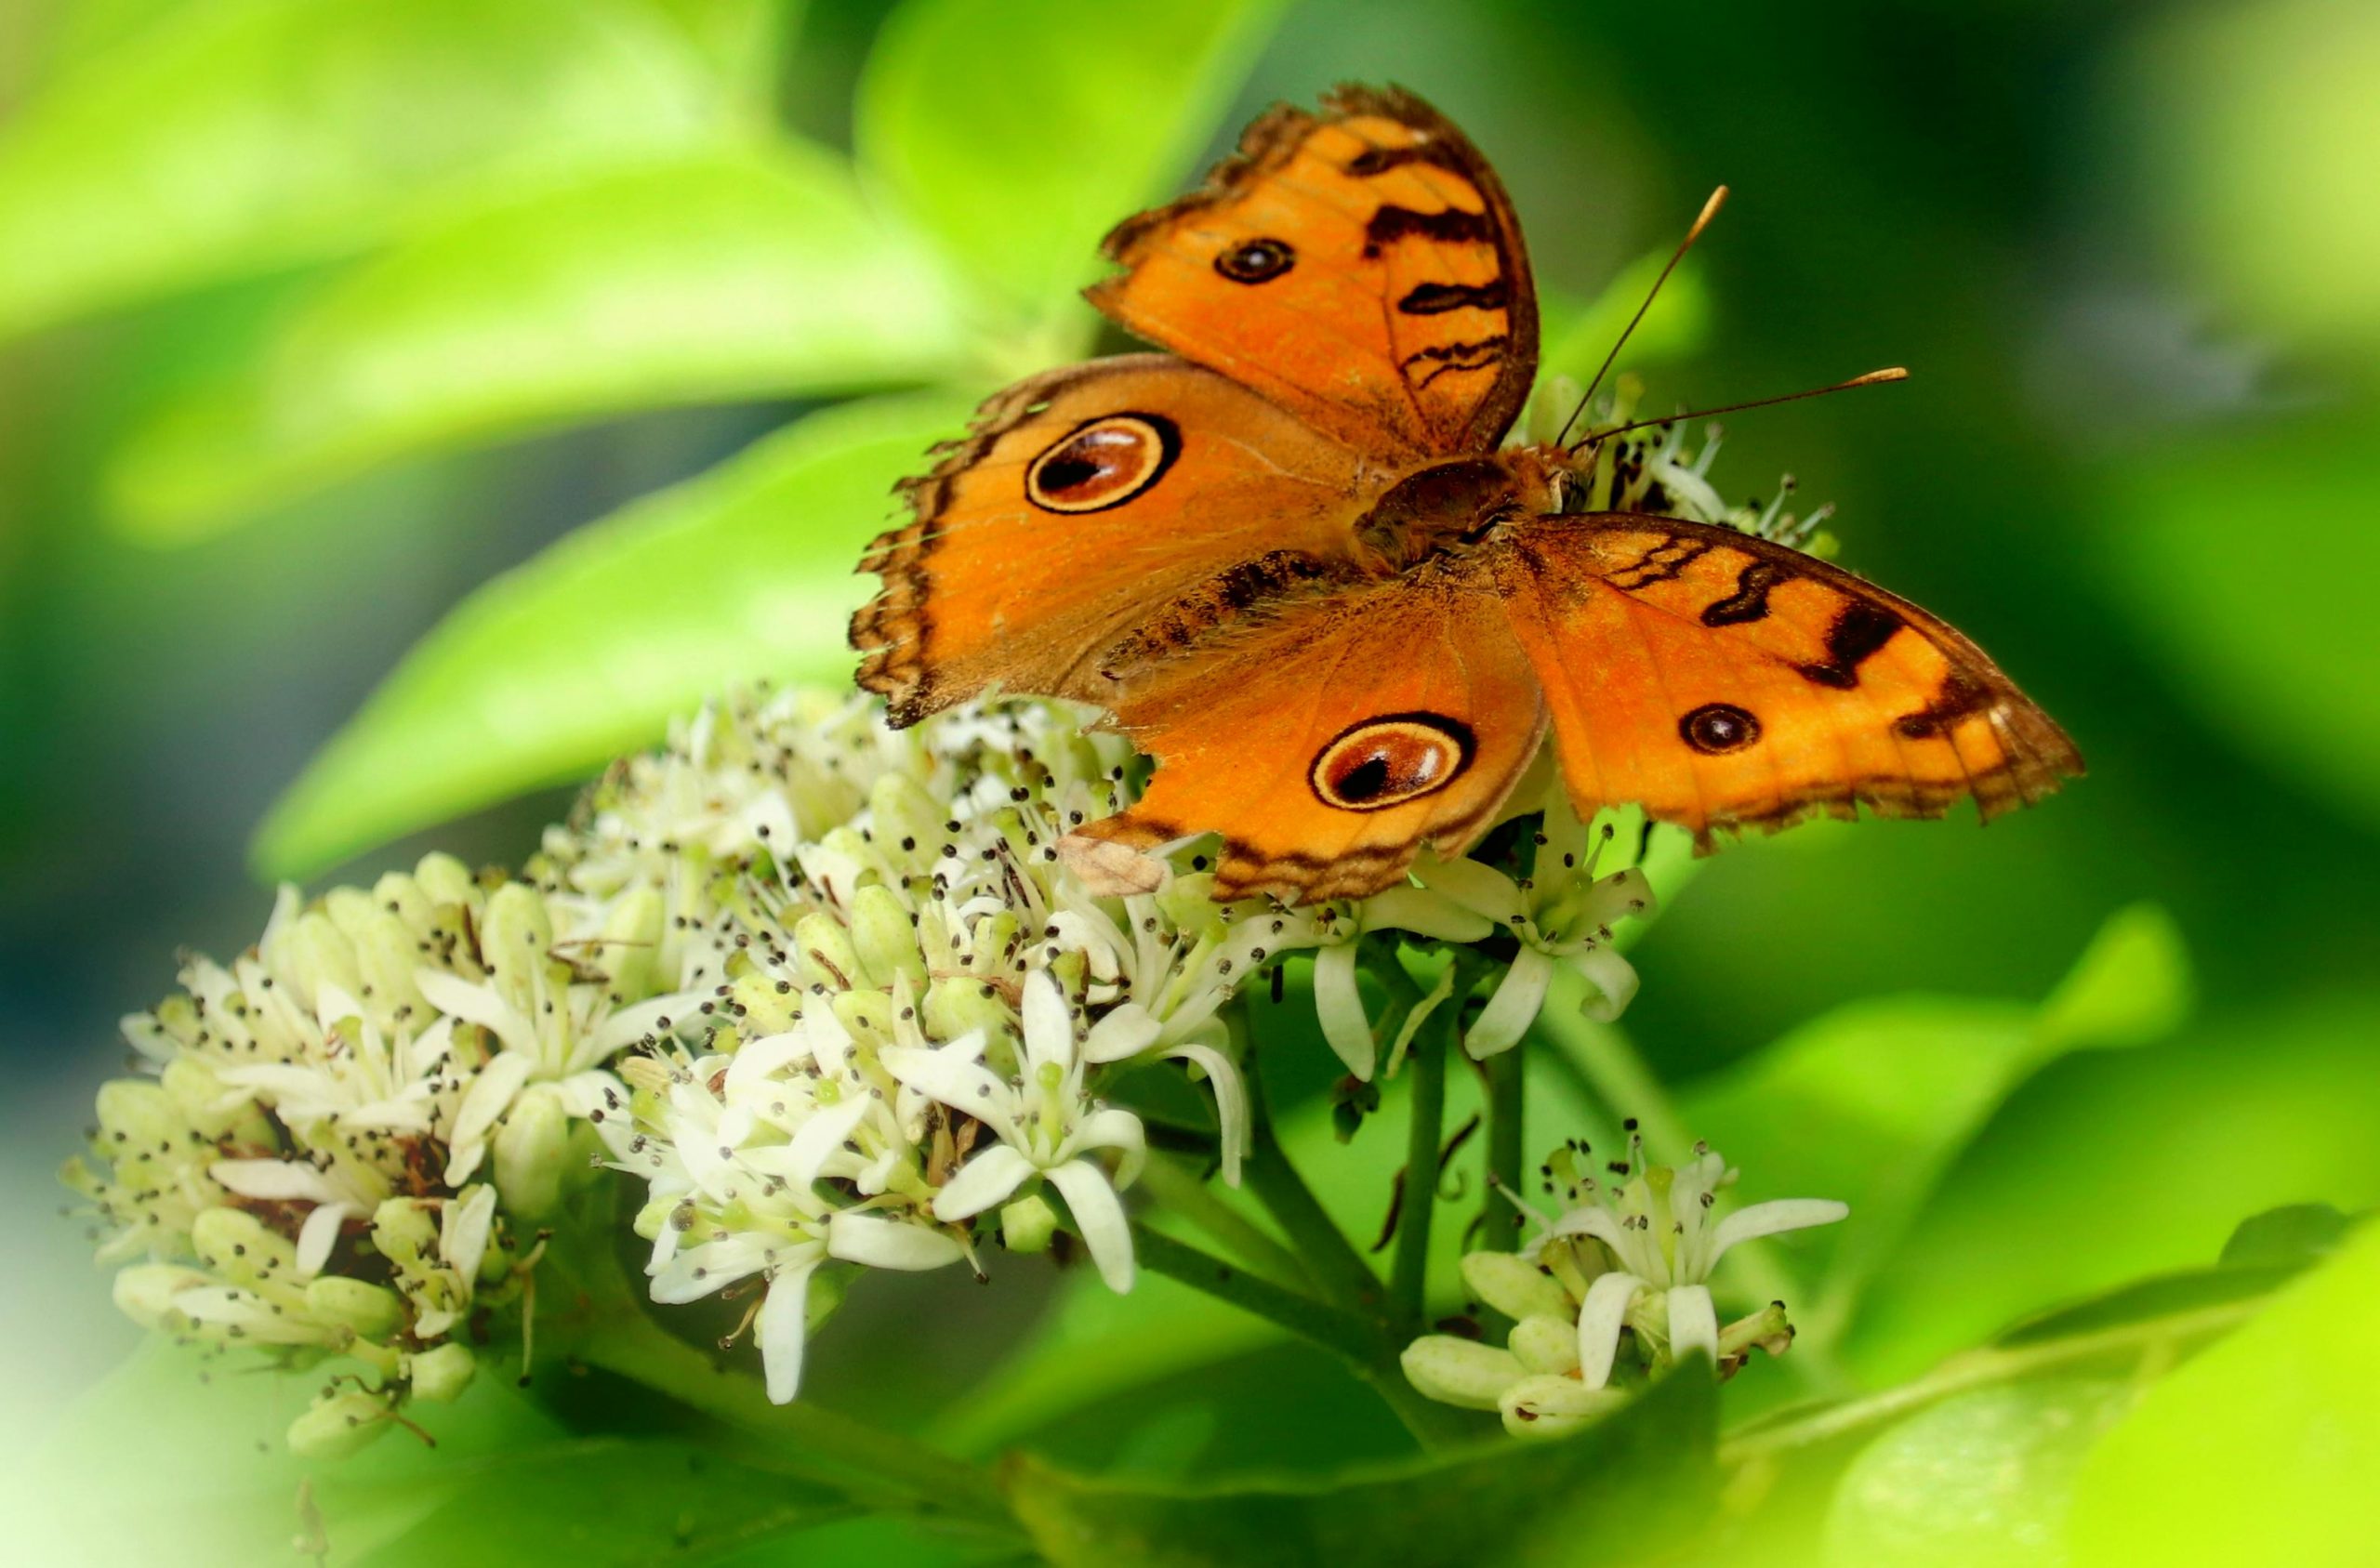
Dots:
pixel 1449 507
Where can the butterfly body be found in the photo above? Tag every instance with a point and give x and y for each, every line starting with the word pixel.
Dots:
pixel 1293 559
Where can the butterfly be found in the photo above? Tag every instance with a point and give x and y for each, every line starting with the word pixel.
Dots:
pixel 1291 558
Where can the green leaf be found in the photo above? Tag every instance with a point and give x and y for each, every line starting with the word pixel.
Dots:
pixel 2112 1166
pixel 1620 1489
pixel 2261 1450
pixel 1873 1101
pixel 1020 131
pixel 177 1457
pixel 1981 1479
pixel 590 648
pixel 251 135
pixel 2289 1237
pixel 717 275
pixel 2160 1296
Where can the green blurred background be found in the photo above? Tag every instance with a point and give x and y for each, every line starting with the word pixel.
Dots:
pixel 2128 250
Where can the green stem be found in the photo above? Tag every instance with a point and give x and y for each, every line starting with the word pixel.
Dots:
pixel 1180 1189
pixel 1409 1279
pixel 1507 1109
pixel 1360 1340
pixel 1337 1269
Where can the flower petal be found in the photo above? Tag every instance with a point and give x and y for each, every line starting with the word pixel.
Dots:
pixel 1600 1319
pixel 1613 979
pixel 1113 1129
pixel 278 1178
pixel 1231 1103
pixel 1768 1218
pixel 463 1230
pixel 458 998
pixel 822 1136
pixel 986 1179
pixel 1694 1323
pixel 1425 914
pixel 890 1244
pixel 952 1076
pixel 491 1094
pixel 1339 1004
pixel 1049 1023
pixel 782 1328
pixel 1099 1214
pixel 318 1236
pixel 1480 889
pixel 1513 1006
pixel 1127 1031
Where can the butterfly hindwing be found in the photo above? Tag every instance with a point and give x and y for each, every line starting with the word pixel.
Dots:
pixel 1328 743
pixel 1361 267
pixel 1723 681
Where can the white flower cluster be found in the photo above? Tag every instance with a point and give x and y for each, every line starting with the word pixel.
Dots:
pixel 827 989
pixel 1626 1263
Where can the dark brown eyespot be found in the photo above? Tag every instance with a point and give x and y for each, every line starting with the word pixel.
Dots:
pixel 1718 728
pixel 1384 762
pixel 1256 261
pixel 1104 464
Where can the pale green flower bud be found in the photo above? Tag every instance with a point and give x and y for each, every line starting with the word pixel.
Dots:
pixel 370 1312
pixel 387 954
pixel 137 1116
pixel 632 933
pixel 1548 1406
pixel 441 1374
pixel 1027 1224
pixel 344 1424
pixel 145 1292
pixel 531 1151
pixel 767 1008
pixel 908 821
pixel 516 935
pixel 211 1107
pixel 239 1248
pixel 350 909
pixel 824 954
pixel 1189 902
pixel 444 879
pixel 654 1215
pixel 403 896
pixel 316 953
pixel 405 1231
pixel 1513 1285
pixel 1461 1372
pixel 884 936
pixel 866 1015
pixel 1546 1343
pixel 958 1004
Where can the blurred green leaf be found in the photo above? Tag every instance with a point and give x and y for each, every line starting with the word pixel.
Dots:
pixel 2110 1167
pixel 1981 1479
pixel 2261 1450
pixel 1576 337
pixel 1618 1490
pixel 1021 131
pixel 253 134
pixel 2160 1296
pixel 723 274
pixel 589 650
pixel 744 41
pixel 1873 1101
pixel 2283 662
pixel 2291 1236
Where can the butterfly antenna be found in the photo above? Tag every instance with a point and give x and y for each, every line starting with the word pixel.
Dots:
pixel 1892 373
pixel 1709 211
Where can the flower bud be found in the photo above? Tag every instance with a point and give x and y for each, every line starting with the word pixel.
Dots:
pixel 886 940
pixel 1027 1224
pixel 316 953
pixel 340 1425
pixel 1548 1406
pixel 145 1292
pixel 239 1248
pixel 405 1231
pixel 401 896
pixel 1546 1343
pixel 138 1118
pixel 516 934
pixel 1189 902
pixel 368 1311
pixel 824 954
pixel 957 1004
pixel 632 943
pixel 907 820
pixel 1461 1372
pixel 442 1374
pixel 444 879
pixel 1513 1285
pixel 531 1151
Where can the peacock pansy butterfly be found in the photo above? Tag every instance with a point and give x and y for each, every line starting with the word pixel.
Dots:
pixel 1291 560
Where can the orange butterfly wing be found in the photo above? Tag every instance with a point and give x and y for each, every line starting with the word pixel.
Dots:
pixel 1328 743
pixel 1361 267
pixel 1723 681
pixel 1097 515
